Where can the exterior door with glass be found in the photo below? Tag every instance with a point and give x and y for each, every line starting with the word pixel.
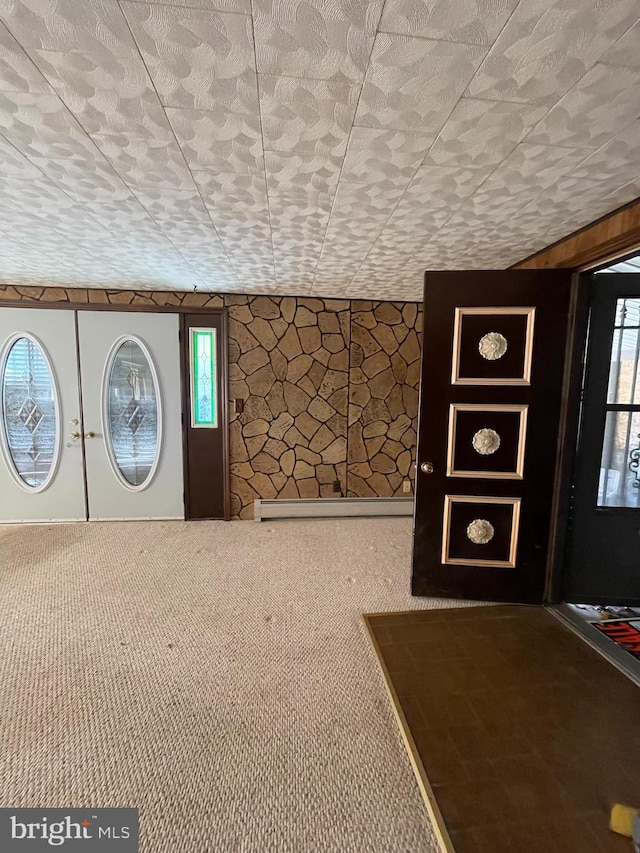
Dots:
pixel 132 414
pixel 41 469
pixel 604 539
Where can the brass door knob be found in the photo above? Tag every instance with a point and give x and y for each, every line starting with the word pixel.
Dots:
pixel 74 421
pixel 74 435
pixel 89 435
pixel 426 467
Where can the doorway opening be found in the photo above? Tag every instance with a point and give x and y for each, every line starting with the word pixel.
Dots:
pixel 601 584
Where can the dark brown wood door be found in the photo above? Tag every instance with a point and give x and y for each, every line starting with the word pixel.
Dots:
pixel 491 396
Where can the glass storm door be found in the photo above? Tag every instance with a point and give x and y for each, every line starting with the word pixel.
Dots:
pixel 132 414
pixel 41 465
pixel 604 552
pixel 492 374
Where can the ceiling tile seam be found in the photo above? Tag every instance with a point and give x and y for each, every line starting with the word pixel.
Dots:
pixel 57 234
pixel 27 57
pixel 335 195
pixel 376 29
pixel 570 92
pixel 607 191
pixel 617 65
pixel 435 40
pixel 589 152
pixel 335 79
pixel 22 154
pixel 187 6
pixel 73 121
pixel 414 175
pixel 357 105
pixel 485 100
pixel 151 84
pixel 480 185
pixel 264 164
pixel 616 42
pixel 172 132
pixel 32 158
pixel 179 252
pixel 189 109
pixel 372 241
pixel 404 130
pixel 494 43
pixel 74 202
pixel 566 92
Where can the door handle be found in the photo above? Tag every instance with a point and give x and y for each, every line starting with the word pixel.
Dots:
pixel 426 467
pixel 90 434
pixel 74 435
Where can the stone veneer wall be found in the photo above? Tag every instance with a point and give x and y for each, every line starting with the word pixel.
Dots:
pixel 289 361
pixel 97 296
pixel 329 386
pixel 384 381
pixel 330 390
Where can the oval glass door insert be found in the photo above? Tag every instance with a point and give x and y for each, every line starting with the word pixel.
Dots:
pixel 30 416
pixel 132 414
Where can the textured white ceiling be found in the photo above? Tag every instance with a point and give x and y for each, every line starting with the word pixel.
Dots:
pixel 330 147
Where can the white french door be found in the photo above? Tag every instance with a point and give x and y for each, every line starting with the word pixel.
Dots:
pixel 90 422
pixel 41 470
pixel 132 415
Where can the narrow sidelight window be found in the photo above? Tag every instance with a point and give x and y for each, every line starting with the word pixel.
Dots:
pixel 203 367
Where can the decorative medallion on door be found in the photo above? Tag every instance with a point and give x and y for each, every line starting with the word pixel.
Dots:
pixel 480 531
pixel 492 346
pixel 132 413
pixel 31 434
pixel 486 441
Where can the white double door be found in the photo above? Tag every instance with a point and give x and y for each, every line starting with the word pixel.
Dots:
pixel 91 422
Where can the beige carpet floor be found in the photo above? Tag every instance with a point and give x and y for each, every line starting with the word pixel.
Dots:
pixel 216 676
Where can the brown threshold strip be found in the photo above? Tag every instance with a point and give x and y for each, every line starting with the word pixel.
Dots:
pixel 520 735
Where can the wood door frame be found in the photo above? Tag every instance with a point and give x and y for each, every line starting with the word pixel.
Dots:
pixel 575 364
pixel 608 239
pixel 575 351
pixel 224 369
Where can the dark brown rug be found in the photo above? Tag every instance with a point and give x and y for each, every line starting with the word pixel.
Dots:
pixel 521 735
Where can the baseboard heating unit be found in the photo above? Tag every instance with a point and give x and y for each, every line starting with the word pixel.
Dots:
pixel 331 508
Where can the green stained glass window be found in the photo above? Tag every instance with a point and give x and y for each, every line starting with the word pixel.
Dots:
pixel 204 374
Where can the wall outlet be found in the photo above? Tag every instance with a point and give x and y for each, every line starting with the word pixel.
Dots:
pixel 336 485
pixel 406 486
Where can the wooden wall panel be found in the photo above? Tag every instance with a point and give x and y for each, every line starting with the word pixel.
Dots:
pixel 612 235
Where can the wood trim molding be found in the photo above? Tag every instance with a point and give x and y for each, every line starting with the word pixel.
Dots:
pixel 225 412
pixel 612 235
